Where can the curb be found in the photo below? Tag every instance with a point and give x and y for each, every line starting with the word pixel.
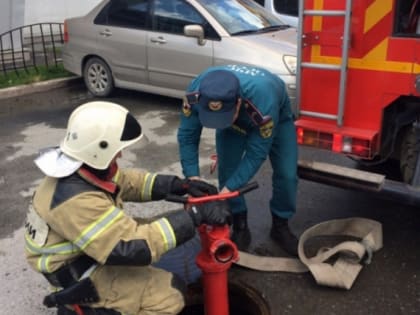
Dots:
pixel 63 93
pixel 43 86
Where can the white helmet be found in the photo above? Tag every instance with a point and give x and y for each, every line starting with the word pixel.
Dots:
pixel 97 131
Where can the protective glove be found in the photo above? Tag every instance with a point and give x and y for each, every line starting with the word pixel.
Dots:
pixel 195 188
pixel 170 184
pixel 212 213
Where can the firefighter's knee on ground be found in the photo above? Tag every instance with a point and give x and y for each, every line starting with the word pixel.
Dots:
pixel 164 294
pixel 171 305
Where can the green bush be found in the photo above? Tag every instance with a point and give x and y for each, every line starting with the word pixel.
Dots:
pixel 41 73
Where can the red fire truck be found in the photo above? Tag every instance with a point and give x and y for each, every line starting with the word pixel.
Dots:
pixel 358 79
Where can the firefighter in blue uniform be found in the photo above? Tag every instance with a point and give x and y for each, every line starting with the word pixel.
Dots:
pixel 250 110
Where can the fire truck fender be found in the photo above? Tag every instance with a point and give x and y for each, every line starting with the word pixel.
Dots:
pixel 351 254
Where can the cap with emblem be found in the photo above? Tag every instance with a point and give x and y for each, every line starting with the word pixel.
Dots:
pixel 218 95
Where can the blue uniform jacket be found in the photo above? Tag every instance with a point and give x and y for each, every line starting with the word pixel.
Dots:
pixel 259 87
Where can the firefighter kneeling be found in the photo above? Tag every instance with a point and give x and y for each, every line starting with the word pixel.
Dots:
pixel 80 239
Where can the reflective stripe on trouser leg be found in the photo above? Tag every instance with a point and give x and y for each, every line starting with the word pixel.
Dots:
pixel 283 157
pixel 230 147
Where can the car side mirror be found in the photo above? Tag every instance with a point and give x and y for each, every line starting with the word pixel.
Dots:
pixel 196 31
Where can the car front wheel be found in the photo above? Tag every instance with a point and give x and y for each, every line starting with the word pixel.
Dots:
pixel 98 77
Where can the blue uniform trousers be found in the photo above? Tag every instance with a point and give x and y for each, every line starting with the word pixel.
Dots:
pixel 231 145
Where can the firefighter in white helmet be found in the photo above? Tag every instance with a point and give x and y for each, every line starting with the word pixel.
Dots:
pixel 80 239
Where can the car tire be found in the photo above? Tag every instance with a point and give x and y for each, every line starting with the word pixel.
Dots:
pixel 409 153
pixel 98 77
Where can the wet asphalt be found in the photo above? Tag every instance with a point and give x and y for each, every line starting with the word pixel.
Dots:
pixel 389 285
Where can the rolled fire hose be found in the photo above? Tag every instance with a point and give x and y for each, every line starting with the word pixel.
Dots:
pixel 351 255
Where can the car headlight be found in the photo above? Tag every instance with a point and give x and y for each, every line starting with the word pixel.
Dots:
pixel 290 63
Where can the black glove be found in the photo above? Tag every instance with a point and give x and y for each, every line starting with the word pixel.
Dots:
pixel 170 184
pixel 212 213
pixel 195 188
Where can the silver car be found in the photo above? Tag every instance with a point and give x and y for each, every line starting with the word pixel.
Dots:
pixel 159 46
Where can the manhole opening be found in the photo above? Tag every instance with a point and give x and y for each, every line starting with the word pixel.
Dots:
pixel 243 300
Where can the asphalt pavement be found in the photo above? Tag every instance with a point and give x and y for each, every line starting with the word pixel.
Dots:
pixel 34 119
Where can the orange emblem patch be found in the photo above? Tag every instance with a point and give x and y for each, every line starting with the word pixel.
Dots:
pixel 215 105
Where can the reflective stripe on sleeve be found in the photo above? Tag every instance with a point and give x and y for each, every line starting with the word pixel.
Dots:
pixel 146 192
pixel 61 248
pixel 43 264
pixel 66 248
pixel 167 232
pixel 47 252
pixel 96 228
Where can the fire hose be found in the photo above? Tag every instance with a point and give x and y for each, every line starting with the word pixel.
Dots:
pixel 219 253
pixel 352 255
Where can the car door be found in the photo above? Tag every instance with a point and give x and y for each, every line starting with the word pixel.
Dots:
pixel 121 28
pixel 173 58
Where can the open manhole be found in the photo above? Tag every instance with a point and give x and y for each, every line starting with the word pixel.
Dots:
pixel 243 300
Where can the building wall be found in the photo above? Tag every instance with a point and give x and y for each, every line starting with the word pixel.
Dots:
pixel 16 13
pixel 11 14
pixel 39 11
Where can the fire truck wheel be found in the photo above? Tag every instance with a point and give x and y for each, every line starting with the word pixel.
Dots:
pixel 409 153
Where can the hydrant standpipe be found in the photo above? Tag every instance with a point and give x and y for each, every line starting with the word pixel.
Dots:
pixel 217 254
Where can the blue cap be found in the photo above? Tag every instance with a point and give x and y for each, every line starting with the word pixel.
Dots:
pixel 219 92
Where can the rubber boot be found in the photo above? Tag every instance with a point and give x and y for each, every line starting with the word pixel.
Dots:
pixel 280 232
pixel 241 235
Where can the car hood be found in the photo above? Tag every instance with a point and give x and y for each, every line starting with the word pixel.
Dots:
pixel 284 41
pixel 264 50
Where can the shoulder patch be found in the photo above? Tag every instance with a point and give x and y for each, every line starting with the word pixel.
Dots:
pixel 189 100
pixel 186 107
pixel 266 128
pixel 36 228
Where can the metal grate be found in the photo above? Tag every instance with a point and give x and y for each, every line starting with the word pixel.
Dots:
pixel 31 46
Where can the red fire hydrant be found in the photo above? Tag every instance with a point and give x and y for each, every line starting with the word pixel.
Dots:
pixel 216 257
pixel 217 254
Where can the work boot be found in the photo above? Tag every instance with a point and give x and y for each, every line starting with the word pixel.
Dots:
pixel 241 235
pixel 280 232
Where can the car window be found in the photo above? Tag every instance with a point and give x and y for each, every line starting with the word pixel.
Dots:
pixel 289 7
pixel 241 16
pixel 172 16
pixel 124 13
